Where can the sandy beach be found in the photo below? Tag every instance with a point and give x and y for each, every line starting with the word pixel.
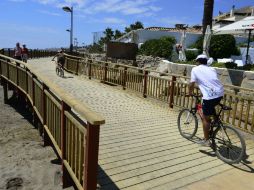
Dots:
pixel 24 163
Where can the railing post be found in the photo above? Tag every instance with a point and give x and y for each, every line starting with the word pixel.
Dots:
pixel 67 181
pixel 145 84
pixel 33 89
pixel 9 52
pixel 105 72
pixel 8 69
pixel 46 139
pixel 0 68
pixel 77 67
pixel 33 100
pixel 91 140
pixel 31 54
pixel 17 74
pixel 172 90
pixel 89 69
pixel 124 78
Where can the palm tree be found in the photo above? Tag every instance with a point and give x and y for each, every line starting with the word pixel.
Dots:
pixel 135 26
pixel 117 34
pixel 208 14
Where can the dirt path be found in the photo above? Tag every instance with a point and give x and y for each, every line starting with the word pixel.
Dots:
pixel 24 162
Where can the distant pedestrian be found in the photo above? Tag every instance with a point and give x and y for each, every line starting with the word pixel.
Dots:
pixel 17 52
pixel 24 52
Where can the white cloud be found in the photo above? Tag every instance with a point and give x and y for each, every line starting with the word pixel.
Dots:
pixel 17 1
pixel 113 21
pixel 28 28
pixel 48 13
pixel 126 7
pixel 60 3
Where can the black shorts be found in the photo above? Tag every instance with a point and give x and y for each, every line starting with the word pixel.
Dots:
pixel 208 106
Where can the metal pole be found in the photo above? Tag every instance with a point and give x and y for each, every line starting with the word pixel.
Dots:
pixel 248 46
pixel 71 45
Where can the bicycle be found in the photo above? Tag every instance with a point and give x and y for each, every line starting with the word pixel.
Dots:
pixel 227 143
pixel 59 69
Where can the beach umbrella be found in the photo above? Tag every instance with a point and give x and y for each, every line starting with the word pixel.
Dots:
pixel 182 56
pixel 207 39
pixel 244 26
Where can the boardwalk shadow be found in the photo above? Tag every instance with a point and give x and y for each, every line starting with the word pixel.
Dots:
pixel 104 181
pixel 67 77
pixel 244 165
pixel 21 107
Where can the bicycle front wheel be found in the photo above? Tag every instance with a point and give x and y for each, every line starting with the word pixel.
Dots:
pixel 187 123
pixel 229 145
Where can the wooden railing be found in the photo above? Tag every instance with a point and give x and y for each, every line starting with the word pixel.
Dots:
pixel 169 88
pixel 69 125
pixel 33 53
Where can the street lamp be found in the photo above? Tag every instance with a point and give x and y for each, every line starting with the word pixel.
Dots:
pixel 68 30
pixel 70 10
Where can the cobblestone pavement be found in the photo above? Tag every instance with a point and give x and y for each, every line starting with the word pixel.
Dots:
pixel 140 147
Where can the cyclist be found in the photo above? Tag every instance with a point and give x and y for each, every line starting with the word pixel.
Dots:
pixel 60 58
pixel 212 92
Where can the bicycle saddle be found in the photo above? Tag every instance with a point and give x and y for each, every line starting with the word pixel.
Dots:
pixel 225 107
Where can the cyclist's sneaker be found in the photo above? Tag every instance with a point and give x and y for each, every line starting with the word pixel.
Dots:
pixel 205 143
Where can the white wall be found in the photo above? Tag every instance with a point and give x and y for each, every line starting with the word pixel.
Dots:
pixel 144 35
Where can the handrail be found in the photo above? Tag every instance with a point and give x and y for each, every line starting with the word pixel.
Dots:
pixel 82 108
pixel 154 71
pixel 168 88
pixel 68 124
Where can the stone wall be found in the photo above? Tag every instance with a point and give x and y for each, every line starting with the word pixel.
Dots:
pixel 239 78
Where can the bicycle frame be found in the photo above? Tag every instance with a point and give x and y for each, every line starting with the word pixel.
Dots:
pixel 198 107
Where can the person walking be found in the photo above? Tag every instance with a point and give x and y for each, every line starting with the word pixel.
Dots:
pixel 24 53
pixel 17 52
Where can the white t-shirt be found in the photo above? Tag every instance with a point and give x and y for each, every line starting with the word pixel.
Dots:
pixel 208 82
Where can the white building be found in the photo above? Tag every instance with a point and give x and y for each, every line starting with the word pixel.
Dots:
pixel 192 33
pixel 142 35
pixel 233 15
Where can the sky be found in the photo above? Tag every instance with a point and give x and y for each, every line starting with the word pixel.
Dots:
pixel 43 23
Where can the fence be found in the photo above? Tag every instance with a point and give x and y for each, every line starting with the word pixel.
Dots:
pixel 33 53
pixel 68 125
pixel 165 87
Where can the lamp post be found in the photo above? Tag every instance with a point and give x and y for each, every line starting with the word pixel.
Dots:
pixel 70 10
pixel 68 30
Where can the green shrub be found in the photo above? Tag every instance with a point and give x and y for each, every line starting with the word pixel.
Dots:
pixel 221 46
pixel 162 47
pixel 228 65
pixel 190 55
pixel 247 67
pixel 95 48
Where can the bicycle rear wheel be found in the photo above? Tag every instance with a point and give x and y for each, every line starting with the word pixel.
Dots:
pixel 187 123
pixel 57 70
pixel 229 145
pixel 61 72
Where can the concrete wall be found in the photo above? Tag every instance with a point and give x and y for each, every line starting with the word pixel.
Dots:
pixel 239 78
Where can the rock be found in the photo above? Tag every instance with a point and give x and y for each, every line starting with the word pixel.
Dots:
pixel 163 66
pixel 249 75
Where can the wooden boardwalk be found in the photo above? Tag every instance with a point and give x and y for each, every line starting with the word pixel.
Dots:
pixel 140 147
